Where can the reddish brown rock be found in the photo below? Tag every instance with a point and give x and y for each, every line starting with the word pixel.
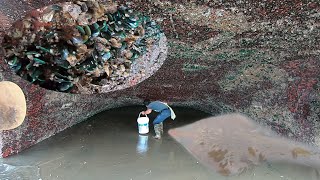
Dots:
pixel 262 63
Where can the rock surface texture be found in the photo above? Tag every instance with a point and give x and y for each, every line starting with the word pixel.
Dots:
pixel 257 58
pixel 233 144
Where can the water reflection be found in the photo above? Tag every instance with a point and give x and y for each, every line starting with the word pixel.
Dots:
pixel 11 172
pixel 142 145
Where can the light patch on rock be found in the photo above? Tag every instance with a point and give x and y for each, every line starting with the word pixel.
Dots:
pixel 12 105
pixel 232 144
pixel 249 76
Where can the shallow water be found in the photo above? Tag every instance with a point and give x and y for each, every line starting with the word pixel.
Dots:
pixel 108 146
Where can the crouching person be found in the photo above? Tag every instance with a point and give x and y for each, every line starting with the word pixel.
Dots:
pixel 164 110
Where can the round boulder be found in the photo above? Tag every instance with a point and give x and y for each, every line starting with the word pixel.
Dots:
pixel 13 106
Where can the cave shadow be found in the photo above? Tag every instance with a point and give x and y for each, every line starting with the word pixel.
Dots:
pixel 128 117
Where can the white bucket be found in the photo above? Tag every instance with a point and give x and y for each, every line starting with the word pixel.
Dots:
pixel 143 124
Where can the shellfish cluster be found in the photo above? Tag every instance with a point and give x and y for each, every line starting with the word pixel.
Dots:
pixel 70 47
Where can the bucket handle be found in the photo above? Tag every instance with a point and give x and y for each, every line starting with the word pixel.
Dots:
pixel 140 114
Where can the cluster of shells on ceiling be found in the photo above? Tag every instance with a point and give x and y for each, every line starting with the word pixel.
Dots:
pixel 73 46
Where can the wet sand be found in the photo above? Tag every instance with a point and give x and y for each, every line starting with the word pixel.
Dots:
pixel 108 146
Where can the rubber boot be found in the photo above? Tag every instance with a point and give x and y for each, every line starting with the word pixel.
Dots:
pixel 157 131
pixel 161 128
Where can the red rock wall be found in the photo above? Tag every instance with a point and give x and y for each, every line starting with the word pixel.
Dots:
pixel 258 58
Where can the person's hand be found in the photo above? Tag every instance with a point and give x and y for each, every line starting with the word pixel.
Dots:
pixel 143 113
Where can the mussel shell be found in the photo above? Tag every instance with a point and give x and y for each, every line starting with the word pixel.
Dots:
pixel 65 36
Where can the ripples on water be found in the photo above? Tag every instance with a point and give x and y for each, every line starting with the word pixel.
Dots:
pixel 108 146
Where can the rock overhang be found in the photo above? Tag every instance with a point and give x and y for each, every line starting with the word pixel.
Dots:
pixel 84 47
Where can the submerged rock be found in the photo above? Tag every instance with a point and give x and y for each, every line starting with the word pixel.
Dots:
pixel 232 144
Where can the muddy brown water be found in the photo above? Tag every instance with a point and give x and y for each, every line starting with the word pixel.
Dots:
pixel 108 146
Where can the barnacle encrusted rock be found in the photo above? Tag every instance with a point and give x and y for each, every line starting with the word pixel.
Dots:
pixel 13 106
pixel 84 47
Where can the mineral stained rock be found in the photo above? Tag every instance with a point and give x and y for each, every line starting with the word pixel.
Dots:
pixel 13 106
pixel 232 144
